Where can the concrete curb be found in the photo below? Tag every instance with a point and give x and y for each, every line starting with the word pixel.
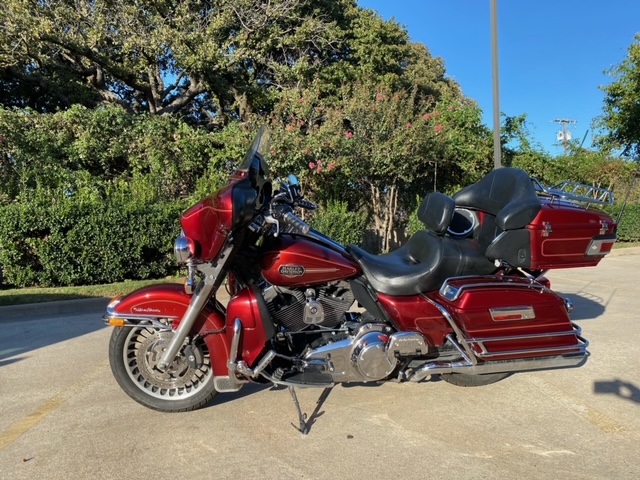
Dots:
pixel 52 309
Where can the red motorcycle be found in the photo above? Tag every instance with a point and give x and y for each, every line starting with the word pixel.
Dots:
pixel 464 299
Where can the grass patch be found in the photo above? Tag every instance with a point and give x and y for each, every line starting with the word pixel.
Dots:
pixel 21 296
pixel 626 244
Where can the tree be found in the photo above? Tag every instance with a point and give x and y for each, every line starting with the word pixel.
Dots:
pixel 213 59
pixel 621 118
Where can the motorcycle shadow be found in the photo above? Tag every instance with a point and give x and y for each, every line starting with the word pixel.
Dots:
pixel 620 388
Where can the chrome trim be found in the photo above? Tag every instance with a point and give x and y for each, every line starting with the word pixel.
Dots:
pixel 181 249
pixel 502 366
pixel 486 354
pixel 576 192
pixel 135 321
pixel 455 292
pixel 568 304
pixel 233 350
pixel 470 357
pixel 525 312
pixel 200 298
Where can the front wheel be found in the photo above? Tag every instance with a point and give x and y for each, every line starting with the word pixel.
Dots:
pixel 468 380
pixel 134 354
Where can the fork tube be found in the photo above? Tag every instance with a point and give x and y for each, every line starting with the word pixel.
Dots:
pixel 199 300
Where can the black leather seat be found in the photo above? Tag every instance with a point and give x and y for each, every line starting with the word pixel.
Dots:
pixel 424 262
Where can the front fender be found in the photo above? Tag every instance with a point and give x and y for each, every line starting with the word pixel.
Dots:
pixel 169 301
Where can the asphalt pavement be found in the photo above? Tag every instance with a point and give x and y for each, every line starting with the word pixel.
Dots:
pixel 62 415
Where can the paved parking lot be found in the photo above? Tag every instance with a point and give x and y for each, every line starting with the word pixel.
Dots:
pixel 62 414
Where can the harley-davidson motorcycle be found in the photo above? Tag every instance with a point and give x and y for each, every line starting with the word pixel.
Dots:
pixel 464 299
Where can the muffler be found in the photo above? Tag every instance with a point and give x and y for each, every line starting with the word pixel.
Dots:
pixel 501 366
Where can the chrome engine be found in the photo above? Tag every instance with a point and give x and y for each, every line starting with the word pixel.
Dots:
pixel 371 355
pixel 298 309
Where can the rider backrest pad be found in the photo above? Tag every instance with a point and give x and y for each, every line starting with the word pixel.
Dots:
pixel 436 212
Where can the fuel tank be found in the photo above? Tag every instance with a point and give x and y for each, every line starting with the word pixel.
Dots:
pixel 297 261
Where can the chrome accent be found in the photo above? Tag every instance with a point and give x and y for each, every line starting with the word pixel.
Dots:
pixel 226 384
pixel 525 313
pixel 501 366
pixel 363 357
pixel 604 226
pixel 568 304
pixel 406 343
pixel 484 353
pixel 200 298
pixel 233 350
pixel 263 363
pixel 313 310
pixel 576 192
pixel 452 293
pixel 547 230
pixel 181 249
pixel 470 356
pixel 138 321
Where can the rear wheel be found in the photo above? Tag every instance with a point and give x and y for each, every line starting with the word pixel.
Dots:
pixel 134 354
pixel 467 380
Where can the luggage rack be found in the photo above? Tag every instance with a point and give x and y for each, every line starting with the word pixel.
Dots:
pixel 575 192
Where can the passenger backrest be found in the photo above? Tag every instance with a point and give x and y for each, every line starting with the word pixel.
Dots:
pixel 506 193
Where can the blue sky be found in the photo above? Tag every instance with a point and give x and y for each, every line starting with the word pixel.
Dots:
pixel 552 53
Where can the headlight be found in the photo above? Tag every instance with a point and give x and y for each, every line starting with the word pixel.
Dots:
pixel 184 248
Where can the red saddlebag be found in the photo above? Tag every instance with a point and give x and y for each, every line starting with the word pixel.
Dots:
pixel 508 317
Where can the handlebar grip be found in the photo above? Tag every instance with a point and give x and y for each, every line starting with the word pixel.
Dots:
pixel 296 223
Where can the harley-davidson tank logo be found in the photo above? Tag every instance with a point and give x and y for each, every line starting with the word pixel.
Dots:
pixel 291 270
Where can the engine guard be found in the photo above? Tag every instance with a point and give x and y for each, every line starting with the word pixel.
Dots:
pixel 148 305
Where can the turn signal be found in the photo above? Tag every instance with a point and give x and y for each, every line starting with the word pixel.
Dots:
pixel 117 322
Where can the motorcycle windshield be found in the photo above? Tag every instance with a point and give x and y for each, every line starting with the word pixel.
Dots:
pixel 254 158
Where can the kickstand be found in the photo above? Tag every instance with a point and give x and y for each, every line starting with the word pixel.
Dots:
pixel 303 429
pixel 305 425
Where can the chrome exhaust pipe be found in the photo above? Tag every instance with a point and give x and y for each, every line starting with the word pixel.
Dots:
pixel 501 366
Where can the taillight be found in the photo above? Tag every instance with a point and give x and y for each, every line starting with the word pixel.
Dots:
pixel 600 245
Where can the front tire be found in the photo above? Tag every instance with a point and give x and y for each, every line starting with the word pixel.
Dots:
pixel 133 355
pixel 467 380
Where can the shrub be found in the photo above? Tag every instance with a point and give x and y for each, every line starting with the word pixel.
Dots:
pixel 629 227
pixel 74 242
pixel 340 224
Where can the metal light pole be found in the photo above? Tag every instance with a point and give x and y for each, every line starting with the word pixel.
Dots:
pixel 496 85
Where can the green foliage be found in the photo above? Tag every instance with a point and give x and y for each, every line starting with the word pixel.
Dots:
pixel 339 223
pixel 629 227
pixel 86 241
pixel 621 111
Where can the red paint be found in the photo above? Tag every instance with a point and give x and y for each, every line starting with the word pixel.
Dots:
pixel 209 222
pixel 284 255
pixel 572 229
pixel 170 301
pixel 253 340
pixel 416 313
pixel 471 313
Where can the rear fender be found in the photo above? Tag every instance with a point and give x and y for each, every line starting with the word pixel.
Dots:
pixel 169 301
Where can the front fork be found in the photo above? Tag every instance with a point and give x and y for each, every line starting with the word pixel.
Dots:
pixel 213 276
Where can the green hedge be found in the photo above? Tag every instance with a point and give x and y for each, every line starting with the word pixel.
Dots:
pixel 629 227
pixel 338 223
pixel 72 242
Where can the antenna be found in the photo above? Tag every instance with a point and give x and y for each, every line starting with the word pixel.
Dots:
pixel 564 136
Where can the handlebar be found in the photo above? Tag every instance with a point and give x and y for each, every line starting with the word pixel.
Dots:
pixel 296 224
